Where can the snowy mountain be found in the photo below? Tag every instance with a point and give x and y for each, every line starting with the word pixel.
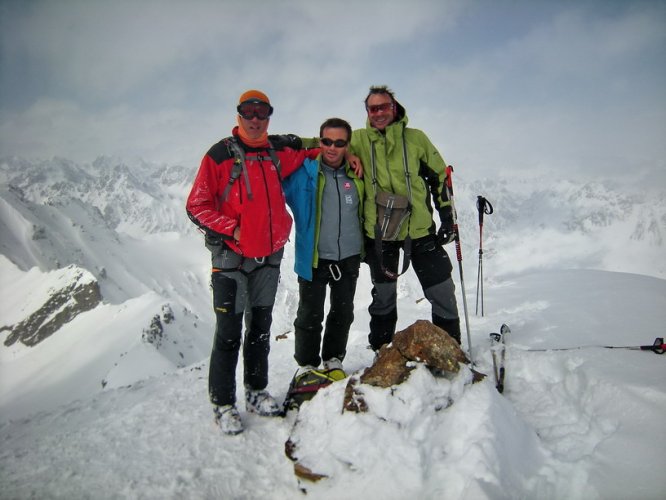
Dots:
pixel 128 373
pixel 123 227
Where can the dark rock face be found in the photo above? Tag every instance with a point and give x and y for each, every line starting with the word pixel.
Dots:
pixel 154 334
pixel 61 307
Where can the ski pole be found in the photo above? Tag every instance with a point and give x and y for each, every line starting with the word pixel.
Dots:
pixel 456 232
pixel 658 347
pixel 484 207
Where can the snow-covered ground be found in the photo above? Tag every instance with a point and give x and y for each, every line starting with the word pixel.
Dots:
pixel 96 412
pixel 585 423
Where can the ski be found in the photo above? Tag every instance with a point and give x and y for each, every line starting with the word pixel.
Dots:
pixel 498 351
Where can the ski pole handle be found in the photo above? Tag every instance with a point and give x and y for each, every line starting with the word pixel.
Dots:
pixel 484 207
pixel 658 347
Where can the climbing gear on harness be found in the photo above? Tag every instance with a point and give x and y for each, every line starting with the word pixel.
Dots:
pixel 335 271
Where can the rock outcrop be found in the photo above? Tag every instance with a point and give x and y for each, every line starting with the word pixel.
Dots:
pixel 78 293
pixel 422 343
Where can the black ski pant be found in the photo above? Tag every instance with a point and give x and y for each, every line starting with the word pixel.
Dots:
pixel 433 269
pixel 246 292
pixel 341 277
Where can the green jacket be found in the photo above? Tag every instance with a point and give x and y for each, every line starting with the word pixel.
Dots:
pixel 426 167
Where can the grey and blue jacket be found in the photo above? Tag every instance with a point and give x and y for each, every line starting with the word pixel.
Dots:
pixel 327 205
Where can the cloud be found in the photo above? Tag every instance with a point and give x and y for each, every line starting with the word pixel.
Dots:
pixel 576 92
pixel 522 85
pixel 63 128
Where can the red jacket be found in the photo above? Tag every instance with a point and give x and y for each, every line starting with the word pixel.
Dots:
pixel 264 221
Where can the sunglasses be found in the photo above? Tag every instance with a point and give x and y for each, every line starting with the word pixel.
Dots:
pixel 338 143
pixel 380 108
pixel 260 110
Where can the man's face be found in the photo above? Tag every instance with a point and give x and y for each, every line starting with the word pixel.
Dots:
pixel 254 118
pixel 334 156
pixel 381 111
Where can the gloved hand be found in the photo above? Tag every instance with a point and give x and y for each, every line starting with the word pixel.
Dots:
pixel 213 238
pixel 280 142
pixel 446 234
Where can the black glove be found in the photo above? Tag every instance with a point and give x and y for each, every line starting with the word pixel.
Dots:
pixel 446 235
pixel 213 238
pixel 280 142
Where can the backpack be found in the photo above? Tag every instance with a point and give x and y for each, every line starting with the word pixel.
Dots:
pixel 303 387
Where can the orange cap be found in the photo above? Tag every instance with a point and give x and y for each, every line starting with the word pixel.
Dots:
pixel 253 95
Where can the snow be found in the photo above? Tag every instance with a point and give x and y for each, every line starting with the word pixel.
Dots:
pixel 95 412
pixel 584 423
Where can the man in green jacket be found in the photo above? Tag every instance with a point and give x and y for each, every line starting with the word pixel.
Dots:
pixel 403 168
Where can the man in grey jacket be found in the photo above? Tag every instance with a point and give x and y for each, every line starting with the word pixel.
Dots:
pixel 326 198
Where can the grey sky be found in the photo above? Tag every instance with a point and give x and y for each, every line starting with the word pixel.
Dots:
pixel 568 88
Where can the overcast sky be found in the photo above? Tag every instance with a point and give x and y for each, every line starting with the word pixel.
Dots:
pixel 500 86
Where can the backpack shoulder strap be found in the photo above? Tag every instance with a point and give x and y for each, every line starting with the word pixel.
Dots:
pixel 275 159
pixel 239 165
pixel 237 168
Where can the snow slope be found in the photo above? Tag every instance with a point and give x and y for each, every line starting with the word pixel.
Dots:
pixel 95 411
pixel 584 423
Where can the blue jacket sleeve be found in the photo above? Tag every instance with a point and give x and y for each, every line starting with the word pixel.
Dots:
pixel 300 191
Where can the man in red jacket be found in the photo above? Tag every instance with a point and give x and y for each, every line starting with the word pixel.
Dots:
pixel 238 202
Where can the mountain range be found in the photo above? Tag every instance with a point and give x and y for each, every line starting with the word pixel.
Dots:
pixel 120 229
pixel 105 309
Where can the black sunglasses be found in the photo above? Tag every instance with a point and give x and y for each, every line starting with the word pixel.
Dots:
pixel 338 143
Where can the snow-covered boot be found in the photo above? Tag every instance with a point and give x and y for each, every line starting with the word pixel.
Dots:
pixel 333 364
pixel 304 369
pixel 261 403
pixel 228 419
pixel 333 369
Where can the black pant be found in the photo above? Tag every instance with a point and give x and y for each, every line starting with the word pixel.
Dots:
pixel 341 277
pixel 237 294
pixel 433 270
